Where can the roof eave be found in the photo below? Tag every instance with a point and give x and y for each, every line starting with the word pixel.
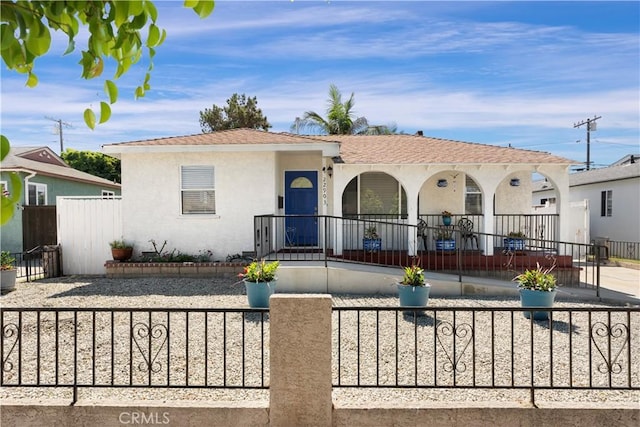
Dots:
pixel 327 149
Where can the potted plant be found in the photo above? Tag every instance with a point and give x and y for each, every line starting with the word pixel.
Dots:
pixel 537 289
pixel 8 272
pixel 445 241
pixel 446 217
pixel 121 250
pixel 372 241
pixel 413 290
pixel 260 279
pixel 514 241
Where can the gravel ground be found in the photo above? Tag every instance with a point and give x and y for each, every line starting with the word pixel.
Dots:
pixel 100 292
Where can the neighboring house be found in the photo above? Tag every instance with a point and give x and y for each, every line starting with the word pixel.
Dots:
pixel 612 194
pixel 201 192
pixel 44 177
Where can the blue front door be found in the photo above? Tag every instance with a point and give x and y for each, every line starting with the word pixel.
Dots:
pixel 301 198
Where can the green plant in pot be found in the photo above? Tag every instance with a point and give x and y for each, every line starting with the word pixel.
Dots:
pixel 121 250
pixel 537 289
pixel 260 279
pixel 413 290
pixel 372 241
pixel 446 217
pixel 8 272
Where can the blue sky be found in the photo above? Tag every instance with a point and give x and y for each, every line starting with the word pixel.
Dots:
pixel 519 73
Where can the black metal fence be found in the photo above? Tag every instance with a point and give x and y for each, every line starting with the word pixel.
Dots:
pixel 391 347
pixel 111 347
pixel 487 348
pixel 451 249
pixel 40 262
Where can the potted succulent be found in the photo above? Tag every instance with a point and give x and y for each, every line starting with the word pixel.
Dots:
pixel 121 250
pixel 8 272
pixel 514 241
pixel 537 289
pixel 446 217
pixel 413 290
pixel 445 241
pixel 372 241
pixel 260 279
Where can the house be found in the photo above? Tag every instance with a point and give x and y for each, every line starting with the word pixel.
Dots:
pixel 44 177
pixel 202 192
pixel 612 195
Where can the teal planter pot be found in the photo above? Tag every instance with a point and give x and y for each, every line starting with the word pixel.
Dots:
pixel 258 293
pixel 413 296
pixel 536 299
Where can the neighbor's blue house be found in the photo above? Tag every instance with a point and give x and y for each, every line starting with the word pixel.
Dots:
pixel 44 177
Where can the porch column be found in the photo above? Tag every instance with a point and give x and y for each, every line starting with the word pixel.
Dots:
pixel 488 225
pixel 412 219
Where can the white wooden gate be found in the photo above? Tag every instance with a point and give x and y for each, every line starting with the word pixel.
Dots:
pixel 86 225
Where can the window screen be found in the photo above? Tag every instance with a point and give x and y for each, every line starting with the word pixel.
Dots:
pixel 198 190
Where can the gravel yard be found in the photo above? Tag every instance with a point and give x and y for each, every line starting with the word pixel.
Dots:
pixel 188 293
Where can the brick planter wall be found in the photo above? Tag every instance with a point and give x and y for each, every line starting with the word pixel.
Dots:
pixel 117 269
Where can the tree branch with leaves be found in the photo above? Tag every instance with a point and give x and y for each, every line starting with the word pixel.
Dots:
pixel 122 31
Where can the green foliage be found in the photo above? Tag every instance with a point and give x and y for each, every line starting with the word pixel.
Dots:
pixel 340 119
pixel 10 199
pixel 538 279
pixel 6 261
pixel 240 112
pixel 517 234
pixel 120 30
pixel 115 31
pixel 371 233
pixel 260 271
pixel 413 276
pixel 120 244
pixel 92 162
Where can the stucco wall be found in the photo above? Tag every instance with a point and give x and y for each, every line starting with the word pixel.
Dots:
pixel 624 223
pixel 245 186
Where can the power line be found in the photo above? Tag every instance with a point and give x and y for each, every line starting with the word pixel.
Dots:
pixel 59 129
pixel 591 126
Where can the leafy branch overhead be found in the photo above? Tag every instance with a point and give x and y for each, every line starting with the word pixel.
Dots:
pixel 121 30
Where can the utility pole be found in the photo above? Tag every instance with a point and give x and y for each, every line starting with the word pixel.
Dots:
pixel 591 126
pixel 59 130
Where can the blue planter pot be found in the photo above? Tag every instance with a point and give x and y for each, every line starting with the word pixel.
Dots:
pixel 514 244
pixel 372 245
pixel 413 296
pixel 535 299
pixel 446 220
pixel 446 245
pixel 258 293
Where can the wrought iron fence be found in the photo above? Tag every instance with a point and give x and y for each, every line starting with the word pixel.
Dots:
pixel 40 262
pixel 136 348
pixel 486 348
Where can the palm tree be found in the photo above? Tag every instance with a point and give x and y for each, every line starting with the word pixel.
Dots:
pixel 340 117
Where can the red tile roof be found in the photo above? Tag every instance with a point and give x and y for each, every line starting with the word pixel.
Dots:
pixel 372 149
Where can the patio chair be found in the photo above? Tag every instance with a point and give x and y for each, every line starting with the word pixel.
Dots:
pixel 466 233
pixel 422 232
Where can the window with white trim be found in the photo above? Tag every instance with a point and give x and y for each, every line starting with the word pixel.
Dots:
pixel 197 188
pixel 36 194
pixel 473 197
pixel 606 203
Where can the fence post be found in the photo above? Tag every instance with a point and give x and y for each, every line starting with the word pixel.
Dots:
pixel 300 360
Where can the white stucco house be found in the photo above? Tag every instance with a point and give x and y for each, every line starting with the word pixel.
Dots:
pixel 202 192
pixel 612 195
